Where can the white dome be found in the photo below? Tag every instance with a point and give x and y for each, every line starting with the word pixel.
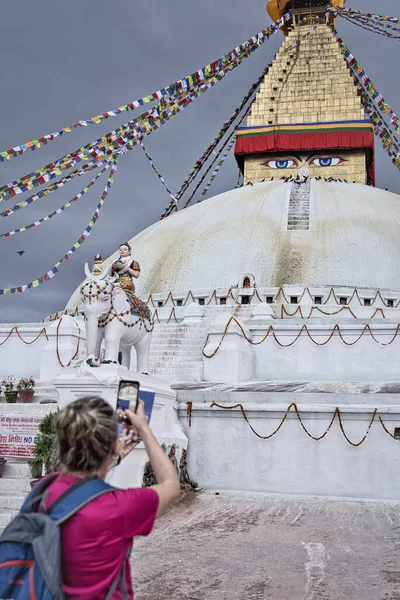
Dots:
pixel 353 240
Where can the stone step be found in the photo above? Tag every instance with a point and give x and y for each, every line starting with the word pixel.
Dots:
pixel 11 501
pixel 178 335
pixel 175 356
pixel 192 367
pixel 168 350
pixel 187 374
pixel 164 338
pixel 176 362
pixel 14 485
pixel 177 365
pixel 15 468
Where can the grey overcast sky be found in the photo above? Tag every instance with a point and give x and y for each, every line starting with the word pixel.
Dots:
pixel 66 61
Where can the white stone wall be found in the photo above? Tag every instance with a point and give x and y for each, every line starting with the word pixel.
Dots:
pixel 40 350
pixel 366 360
pixel 225 454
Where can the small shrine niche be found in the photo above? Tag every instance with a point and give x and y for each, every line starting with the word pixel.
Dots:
pixel 246 288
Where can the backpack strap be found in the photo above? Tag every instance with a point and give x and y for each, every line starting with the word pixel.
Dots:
pixel 38 493
pixel 120 579
pixel 76 497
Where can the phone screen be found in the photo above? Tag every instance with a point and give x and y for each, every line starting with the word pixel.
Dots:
pixel 128 394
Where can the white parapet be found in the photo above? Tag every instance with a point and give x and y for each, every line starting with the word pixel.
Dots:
pixel 262 313
pixel 324 350
pixel 66 339
pixel 103 382
pixel 231 355
pixel 357 458
pixel 193 313
pixel 41 350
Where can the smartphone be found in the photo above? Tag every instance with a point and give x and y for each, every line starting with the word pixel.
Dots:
pixel 128 397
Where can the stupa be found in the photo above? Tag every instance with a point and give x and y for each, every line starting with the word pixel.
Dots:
pixel 276 305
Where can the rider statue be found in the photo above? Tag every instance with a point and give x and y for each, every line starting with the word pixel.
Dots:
pixel 125 270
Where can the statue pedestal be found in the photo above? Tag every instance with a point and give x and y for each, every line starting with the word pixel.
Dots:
pixel 103 381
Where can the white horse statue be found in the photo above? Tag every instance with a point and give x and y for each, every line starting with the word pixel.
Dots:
pixel 110 315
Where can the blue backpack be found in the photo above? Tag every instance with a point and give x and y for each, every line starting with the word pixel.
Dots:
pixel 30 556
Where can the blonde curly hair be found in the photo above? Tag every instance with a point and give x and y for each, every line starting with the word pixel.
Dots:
pixel 86 430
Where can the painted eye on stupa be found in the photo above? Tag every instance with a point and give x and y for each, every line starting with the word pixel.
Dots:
pixel 280 164
pixel 326 162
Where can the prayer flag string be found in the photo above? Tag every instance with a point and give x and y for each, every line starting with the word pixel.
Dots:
pixel 192 195
pixel 105 146
pixel 353 12
pixel 200 162
pixel 160 177
pixel 58 211
pixel 379 109
pixel 52 187
pixel 239 53
pixel 210 150
pixel 54 270
pixel 218 167
pixel 378 28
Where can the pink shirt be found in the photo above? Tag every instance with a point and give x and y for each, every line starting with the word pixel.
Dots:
pixel 96 539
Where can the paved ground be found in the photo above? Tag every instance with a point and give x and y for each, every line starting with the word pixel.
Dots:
pixel 258 547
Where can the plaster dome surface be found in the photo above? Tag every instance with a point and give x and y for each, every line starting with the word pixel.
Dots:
pixel 353 240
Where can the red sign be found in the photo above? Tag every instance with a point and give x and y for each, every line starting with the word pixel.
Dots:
pixel 18 435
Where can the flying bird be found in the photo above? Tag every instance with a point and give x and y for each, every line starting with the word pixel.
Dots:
pixel 21 252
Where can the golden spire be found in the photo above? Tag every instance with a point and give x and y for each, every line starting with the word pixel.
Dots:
pixel 276 8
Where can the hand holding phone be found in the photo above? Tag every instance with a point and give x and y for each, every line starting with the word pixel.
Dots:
pixel 128 396
pixel 138 419
pixel 133 418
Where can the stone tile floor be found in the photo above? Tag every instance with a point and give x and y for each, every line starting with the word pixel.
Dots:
pixel 259 547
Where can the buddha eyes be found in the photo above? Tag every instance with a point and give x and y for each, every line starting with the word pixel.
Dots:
pixel 313 162
pixel 280 164
pixel 326 162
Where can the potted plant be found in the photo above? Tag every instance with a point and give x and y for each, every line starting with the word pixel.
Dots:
pixel 36 467
pixel 9 386
pixel 46 451
pixel 26 388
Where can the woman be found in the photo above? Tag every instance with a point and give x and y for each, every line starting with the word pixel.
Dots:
pixel 126 268
pixel 95 542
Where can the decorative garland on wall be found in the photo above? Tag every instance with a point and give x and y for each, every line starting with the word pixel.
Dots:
pixel 281 292
pixel 328 314
pixel 190 298
pixel 293 406
pixel 58 350
pixel 304 329
pixel 15 330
